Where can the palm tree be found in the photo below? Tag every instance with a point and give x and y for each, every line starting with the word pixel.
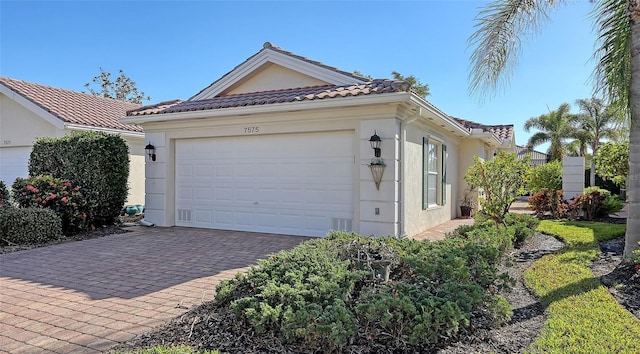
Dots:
pixel 554 128
pixel 596 122
pixel 578 147
pixel 501 27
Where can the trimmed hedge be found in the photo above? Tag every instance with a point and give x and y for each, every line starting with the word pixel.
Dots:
pixel 97 162
pixel 25 226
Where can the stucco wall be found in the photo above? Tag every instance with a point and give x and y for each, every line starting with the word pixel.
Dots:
pixel 160 174
pixel 416 218
pixel 274 77
pixel 468 149
pixel 136 170
pixel 19 128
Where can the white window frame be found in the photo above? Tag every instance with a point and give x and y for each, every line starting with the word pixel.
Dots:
pixel 438 159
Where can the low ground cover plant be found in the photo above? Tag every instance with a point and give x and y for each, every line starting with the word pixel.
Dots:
pixel 582 316
pixel 331 293
pixel 515 230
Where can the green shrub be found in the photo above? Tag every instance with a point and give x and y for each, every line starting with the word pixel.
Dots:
pixel 522 227
pixel 25 226
pixel 547 176
pixel 325 293
pixel 97 162
pixel 4 196
pixel 549 203
pixel 529 221
pixel 56 194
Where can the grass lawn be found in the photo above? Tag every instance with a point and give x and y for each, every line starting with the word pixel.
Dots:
pixel 582 316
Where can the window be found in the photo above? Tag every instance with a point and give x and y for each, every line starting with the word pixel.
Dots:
pixel 434 173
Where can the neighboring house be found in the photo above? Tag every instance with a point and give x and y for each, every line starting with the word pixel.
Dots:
pixel 536 158
pixel 29 111
pixel 281 144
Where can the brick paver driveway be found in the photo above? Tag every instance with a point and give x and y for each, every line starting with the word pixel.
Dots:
pixel 90 295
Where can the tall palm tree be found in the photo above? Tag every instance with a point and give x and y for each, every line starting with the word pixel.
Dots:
pixel 554 128
pixel 597 123
pixel 501 26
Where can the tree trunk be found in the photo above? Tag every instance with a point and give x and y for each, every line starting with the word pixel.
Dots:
pixel 633 188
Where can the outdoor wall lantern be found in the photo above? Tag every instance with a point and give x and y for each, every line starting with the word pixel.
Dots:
pixel 375 142
pixel 151 151
pixel 377 164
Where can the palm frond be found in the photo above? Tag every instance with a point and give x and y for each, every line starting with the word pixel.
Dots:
pixel 612 75
pixel 501 27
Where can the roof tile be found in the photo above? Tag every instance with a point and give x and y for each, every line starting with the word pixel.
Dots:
pixel 502 131
pixel 277 96
pixel 75 107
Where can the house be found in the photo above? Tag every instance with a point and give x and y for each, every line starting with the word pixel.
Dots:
pixel 536 158
pixel 29 111
pixel 284 144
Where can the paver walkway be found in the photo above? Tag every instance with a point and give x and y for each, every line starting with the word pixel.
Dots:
pixel 88 296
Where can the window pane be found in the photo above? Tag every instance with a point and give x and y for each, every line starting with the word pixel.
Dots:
pixel 432 189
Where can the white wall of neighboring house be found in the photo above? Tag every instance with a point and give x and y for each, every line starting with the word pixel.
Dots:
pixel 20 127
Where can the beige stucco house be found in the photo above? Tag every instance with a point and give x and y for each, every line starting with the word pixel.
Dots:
pixel 282 144
pixel 29 111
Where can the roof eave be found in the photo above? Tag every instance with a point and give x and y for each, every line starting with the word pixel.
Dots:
pixel 126 133
pixel 437 114
pixel 353 101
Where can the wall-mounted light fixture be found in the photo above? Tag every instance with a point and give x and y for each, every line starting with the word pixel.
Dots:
pixel 375 142
pixel 377 164
pixel 151 151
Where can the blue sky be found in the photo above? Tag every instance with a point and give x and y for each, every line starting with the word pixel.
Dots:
pixel 174 49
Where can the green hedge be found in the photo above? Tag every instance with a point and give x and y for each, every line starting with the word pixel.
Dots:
pixel 327 295
pixel 97 162
pixel 25 226
pixel 4 196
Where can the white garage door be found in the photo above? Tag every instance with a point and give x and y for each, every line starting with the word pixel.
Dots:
pixel 297 184
pixel 14 162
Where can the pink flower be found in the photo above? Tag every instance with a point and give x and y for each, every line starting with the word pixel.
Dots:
pixel 52 196
pixel 67 184
pixel 638 266
pixel 38 200
pixel 64 200
pixel 84 215
pixel 52 184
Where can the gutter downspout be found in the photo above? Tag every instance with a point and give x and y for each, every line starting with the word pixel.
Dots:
pixel 403 169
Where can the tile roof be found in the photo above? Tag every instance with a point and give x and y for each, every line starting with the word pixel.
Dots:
pixel 269 46
pixel 278 96
pixel 75 107
pixel 502 131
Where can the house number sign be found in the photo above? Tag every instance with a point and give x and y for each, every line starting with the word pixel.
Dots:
pixel 251 130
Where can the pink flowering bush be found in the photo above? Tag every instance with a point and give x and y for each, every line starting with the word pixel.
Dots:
pixel 59 195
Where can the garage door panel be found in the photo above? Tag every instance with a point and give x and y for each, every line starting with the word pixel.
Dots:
pixel 293 184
